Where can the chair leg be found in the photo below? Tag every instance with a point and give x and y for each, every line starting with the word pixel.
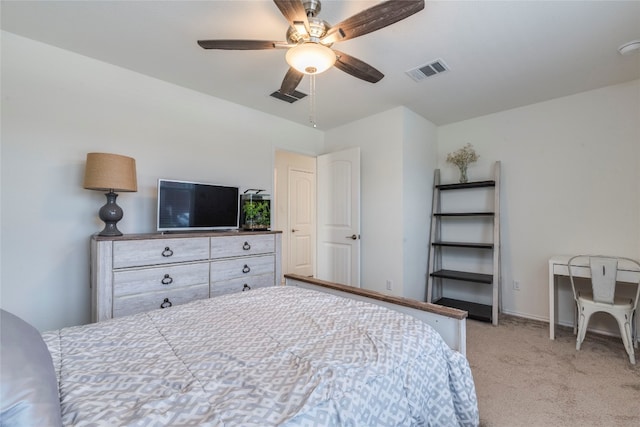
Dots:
pixel 625 331
pixel 583 323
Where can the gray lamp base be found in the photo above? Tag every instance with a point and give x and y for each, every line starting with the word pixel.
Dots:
pixel 110 213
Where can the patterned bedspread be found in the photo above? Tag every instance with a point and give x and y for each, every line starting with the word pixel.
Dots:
pixel 272 356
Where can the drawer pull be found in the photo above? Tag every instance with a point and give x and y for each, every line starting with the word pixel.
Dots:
pixel 246 269
pixel 166 303
pixel 246 246
pixel 167 252
pixel 246 288
pixel 167 280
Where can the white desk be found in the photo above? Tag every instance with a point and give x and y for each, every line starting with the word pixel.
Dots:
pixel 627 272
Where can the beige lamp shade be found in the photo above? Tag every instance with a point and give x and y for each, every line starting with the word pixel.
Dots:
pixel 110 172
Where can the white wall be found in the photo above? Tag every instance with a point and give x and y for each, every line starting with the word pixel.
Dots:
pixel 56 107
pixel 419 160
pixel 396 170
pixel 571 179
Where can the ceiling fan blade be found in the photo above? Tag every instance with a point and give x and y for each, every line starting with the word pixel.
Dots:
pixel 238 44
pixel 291 81
pixel 294 12
pixel 357 68
pixel 372 19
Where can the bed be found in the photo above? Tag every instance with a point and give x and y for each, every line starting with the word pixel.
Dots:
pixel 284 355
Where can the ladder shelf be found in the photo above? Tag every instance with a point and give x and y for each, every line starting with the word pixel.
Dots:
pixel 475 282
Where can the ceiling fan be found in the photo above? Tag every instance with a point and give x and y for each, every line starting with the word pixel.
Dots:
pixel 309 39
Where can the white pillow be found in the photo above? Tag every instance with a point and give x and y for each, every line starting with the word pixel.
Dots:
pixel 28 384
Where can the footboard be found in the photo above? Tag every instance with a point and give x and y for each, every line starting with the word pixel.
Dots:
pixel 450 323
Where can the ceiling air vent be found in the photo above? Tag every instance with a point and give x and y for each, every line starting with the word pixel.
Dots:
pixel 429 70
pixel 290 98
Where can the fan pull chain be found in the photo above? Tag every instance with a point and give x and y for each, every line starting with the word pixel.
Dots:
pixel 312 100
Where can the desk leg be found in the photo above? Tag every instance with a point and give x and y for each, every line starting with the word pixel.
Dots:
pixel 552 303
pixel 636 337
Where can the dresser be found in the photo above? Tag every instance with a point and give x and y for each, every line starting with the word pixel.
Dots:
pixel 140 272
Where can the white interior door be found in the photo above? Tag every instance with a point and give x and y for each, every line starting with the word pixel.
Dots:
pixel 338 208
pixel 301 220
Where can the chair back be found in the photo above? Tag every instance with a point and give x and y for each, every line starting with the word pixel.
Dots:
pixel 571 264
pixel 604 275
pixel 604 272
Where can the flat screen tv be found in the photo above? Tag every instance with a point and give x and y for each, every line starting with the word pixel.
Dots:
pixel 185 205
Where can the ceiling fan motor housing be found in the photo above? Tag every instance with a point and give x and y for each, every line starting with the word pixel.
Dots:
pixel 317 29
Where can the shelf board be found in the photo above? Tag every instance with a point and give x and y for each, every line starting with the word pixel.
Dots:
pixel 460 186
pixel 476 311
pixel 464 245
pixel 464 276
pixel 461 214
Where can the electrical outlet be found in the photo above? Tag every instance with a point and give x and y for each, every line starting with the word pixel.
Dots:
pixel 516 285
pixel 389 285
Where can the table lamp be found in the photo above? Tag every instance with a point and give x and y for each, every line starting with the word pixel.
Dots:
pixel 111 173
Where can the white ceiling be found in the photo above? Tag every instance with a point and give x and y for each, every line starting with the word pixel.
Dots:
pixel 501 54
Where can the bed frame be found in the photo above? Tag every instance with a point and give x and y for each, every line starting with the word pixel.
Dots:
pixel 450 323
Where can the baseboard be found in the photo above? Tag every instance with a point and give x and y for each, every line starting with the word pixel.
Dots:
pixel 599 331
pixel 526 316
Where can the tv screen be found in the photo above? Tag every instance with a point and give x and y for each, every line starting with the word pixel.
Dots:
pixel 184 205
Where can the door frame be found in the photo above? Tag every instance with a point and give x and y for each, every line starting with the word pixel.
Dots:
pixel 281 167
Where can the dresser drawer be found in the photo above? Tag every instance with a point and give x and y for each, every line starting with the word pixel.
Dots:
pixel 123 306
pixel 169 277
pixel 242 267
pixel 134 253
pixel 250 244
pixel 241 284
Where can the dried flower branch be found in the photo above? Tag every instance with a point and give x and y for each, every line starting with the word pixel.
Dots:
pixel 463 156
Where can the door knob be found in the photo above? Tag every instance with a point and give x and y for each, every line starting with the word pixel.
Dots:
pixel 293 230
pixel 353 237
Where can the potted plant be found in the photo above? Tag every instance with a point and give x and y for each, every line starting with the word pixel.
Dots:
pixel 462 158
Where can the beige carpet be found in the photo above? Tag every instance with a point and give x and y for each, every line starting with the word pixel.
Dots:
pixel 524 379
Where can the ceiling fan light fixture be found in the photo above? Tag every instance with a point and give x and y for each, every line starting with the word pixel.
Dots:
pixel 311 58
